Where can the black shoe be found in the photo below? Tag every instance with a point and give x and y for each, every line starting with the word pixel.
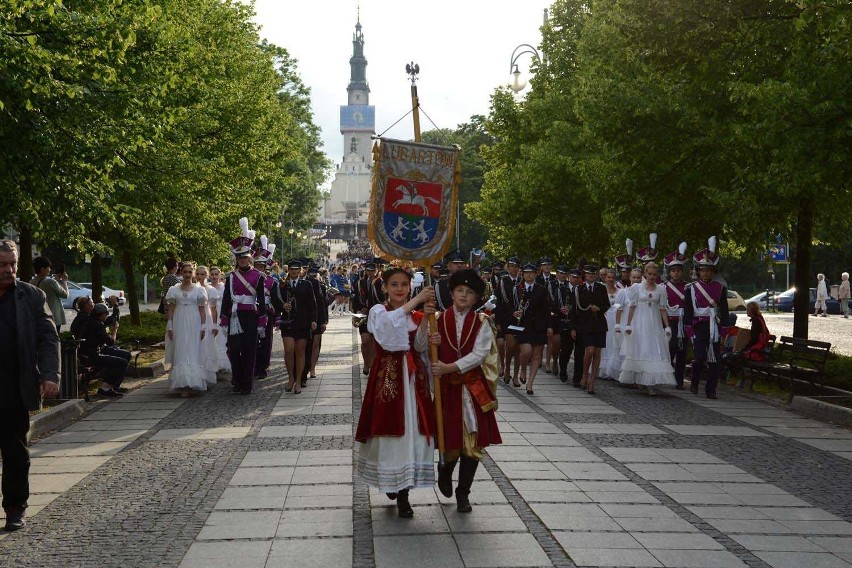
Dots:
pixel 577 384
pixel 712 396
pixel 529 391
pixel 403 507
pixel 523 380
pixel 391 496
pixel 109 393
pixel 304 383
pixel 445 478
pixel 506 379
pixel 15 519
pixel 679 387
pixel 467 471
pixel 236 389
pixel 563 378
pixel 693 387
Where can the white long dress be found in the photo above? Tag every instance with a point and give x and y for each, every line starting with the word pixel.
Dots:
pixel 222 338
pixel 389 463
pixel 613 364
pixel 183 355
pixel 611 351
pixel 209 351
pixel 646 350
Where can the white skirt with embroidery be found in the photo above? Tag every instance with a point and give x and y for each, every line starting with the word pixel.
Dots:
pixel 392 463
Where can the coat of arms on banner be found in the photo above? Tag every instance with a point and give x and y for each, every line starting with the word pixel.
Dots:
pixel 413 201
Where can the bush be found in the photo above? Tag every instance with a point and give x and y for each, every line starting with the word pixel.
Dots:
pixel 838 371
pixel 152 330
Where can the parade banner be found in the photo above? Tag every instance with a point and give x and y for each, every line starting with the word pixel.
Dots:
pixel 413 200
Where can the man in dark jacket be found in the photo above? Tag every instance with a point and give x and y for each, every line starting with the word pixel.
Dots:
pixel 28 373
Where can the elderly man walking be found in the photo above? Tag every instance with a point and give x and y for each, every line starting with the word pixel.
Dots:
pixel 28 373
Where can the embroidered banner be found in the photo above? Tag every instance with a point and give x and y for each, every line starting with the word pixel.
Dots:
pixel 413 200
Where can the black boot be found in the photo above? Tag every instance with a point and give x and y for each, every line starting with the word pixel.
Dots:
pixel 403 507
pixel 466 472
pixel 445 478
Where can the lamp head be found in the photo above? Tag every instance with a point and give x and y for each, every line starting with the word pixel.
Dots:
pixel 518 84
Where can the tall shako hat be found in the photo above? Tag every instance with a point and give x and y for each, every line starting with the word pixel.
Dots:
pixel 709 256
pixel 271 257
pixel 241 246
pixel 467 277
pixel 676 258
pixel 263 254
pixel 625 261
pixel 647 254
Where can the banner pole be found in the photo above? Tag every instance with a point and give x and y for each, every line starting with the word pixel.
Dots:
pixel 413 70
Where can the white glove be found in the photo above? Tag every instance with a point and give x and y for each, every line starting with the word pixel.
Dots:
pixel 668 331
pixel 489 305
pixel 617 328
pixel 261 332
pixel 628 330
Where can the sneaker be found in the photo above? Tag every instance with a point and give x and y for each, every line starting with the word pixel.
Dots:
pixel 109 393
pixel 15 519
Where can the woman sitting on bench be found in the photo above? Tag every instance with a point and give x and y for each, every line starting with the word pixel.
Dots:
pixel 755 349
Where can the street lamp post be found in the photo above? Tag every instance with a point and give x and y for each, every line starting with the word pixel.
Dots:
pixel 281 225
pixel 517 85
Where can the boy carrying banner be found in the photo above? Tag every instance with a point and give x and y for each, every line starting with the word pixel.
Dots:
pixel 468 365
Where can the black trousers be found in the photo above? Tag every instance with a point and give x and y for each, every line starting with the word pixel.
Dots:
pixel 114 365
pixel 14 424
pixel 568 346
pixel 677 353
pixel 242 350
pixel 264 347
pixel 700 346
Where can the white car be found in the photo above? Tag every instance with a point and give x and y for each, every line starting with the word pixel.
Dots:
pixel 106 293
pixel 760 299
pixel 74 291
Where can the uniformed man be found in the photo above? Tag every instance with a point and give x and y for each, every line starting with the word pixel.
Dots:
pixel 624 264
pixel 705 313
pixel 557 297
pixel 545 265
pixel 296 307
pixel 362 301
pixel 507 298
pixel 443 294
pixel 571 343
pixel 314 343
pixel 676 295
pixel 244 314
pixel 262 261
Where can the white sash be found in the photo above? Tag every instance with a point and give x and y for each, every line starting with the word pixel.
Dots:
pixel 707 312
pixel 676 312
pixel 236 299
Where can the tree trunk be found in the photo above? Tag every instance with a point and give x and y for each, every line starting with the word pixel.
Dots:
pixel 25 253
pixel 97 270
pixel 802 277
pixel 130 285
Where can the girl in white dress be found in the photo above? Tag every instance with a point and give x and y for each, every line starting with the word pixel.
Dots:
pixel 611 351
pixel 646 343
pixel 187 317
pixel 217 280
pixel 394 453
pixel 621 305
pixel 209 352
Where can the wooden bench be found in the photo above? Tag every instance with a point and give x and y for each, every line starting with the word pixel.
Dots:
pixel 793 359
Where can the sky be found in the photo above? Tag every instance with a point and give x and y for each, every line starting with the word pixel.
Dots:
pixel 463 47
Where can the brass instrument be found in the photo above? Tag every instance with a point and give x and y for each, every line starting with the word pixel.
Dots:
pixel 359 319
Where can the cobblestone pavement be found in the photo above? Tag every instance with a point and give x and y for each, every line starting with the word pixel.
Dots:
pixel 833 328
pixel 616 479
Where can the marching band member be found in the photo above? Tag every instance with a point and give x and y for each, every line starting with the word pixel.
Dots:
pixel 556 299
pixel 532 315
pixel 468 367
pixel 297 309
pixel 676 300
pixel 591 303
pixel 571 342
pixel 244 314
pixel 705 312
pixel 315 342
pixel 508 297
pixel 624 263
pixel 364 297
pixel 262 260
pixel 649 253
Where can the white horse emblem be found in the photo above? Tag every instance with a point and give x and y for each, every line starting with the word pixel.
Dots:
pixel 410 197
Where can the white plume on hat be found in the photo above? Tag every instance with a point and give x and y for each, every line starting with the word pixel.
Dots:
pixel 244 226
pixel 652 239
pixel 264 242
pixel 682 248
pixel 250 234
pixel 711 244
pixel 629 244
pixel 271 249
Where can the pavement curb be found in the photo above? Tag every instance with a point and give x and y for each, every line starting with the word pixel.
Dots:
pixel 823 411
pixel 57 417
pixel 148 371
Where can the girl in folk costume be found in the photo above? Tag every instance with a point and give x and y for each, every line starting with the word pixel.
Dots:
pixel 646 344
pixel 397 424
pixel 610 352
pixel 469 366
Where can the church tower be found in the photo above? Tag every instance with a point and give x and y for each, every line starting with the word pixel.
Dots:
pixel 346 207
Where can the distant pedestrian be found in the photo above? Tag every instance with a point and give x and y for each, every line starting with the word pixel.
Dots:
pixel 28 373
pixel 843 294
pixel 54 288
pixel 821 296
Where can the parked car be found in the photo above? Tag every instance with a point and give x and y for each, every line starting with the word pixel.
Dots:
pixel 107 292
pixel 760 299
pixel 735 302
pixel 784 302
pixel 74 292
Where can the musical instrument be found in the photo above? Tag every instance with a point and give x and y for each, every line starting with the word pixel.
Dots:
pixel 359 319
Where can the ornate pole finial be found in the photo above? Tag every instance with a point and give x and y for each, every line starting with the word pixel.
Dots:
pixel 413 70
